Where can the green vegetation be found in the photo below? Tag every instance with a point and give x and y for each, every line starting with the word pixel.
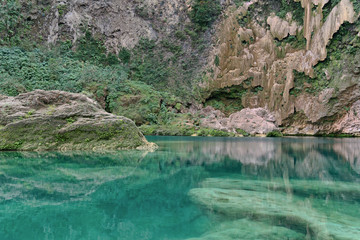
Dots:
pixel 204 12
pixel 238 3
pixel 297 42
pixel 341 51
pixel 227 100
pixel 124 56
pixel 90 49
pixel 171 130
pixel 280 8
pixel 274 134
pixel 335 135
pixel 328 7
pixel 22 71
pixel 14 27
pixel 309 85
pixel 356 5
pixel 164 67
pixel 217 61
pixel 294 8
pixel 242 132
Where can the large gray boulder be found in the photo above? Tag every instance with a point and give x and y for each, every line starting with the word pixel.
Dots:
pixel 56 120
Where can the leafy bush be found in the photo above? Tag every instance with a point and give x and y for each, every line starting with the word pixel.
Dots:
pixel 328 7
pixel 204 12
pixel 90 49
pixel 291 6
pixel 356 5
pixel 10 20
pixel 124 55
pixel 238 3
pixel 242 132
pixel 30 70
pixel 274 134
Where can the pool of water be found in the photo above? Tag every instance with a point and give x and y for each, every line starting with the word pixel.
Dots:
pixel 191 188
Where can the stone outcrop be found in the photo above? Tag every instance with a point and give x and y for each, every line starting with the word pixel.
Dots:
pixel 252 121
pixel 56 120
pixel 121 23
pixel 280 28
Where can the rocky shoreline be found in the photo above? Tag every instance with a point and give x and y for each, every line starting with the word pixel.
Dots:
pixel 57 120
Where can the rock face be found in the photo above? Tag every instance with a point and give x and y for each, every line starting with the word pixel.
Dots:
pixel 121 23
pixel 56 120
pixel 252 55
pixel 253 121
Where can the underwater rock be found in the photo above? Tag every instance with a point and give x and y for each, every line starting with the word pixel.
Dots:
pixel 57 120
pixel 247 229
pixel 64 176
pixel 329 189
pixel 254 200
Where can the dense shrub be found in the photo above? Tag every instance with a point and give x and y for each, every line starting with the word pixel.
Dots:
pixel 274 134
pixel 12 22
pixel 291 6
pixel 205 12
pixel 30 70
pixel 90 49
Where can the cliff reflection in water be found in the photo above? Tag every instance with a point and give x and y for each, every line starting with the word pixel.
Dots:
pixel 307 157
pixel 191 188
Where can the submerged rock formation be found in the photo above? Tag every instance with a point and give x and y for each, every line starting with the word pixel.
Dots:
pixel 56 120
pixel 278 202
pixel 247 229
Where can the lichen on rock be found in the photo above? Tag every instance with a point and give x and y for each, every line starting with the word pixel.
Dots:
pixel 57 120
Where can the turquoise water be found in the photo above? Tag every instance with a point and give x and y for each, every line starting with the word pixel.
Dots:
pixel 191 188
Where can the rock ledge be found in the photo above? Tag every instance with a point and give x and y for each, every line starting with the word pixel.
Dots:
pixel 57 120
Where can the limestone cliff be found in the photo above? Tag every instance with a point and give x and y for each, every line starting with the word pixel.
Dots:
pixel 252 54
pixel 122 23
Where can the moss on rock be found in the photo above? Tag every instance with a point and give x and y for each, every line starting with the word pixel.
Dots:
pixel 77 123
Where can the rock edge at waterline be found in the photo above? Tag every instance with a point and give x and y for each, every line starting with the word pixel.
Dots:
pixel 57 120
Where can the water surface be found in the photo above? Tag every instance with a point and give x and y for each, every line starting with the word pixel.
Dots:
pixel 191 188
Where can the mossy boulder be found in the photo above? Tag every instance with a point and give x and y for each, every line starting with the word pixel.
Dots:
pixel 57 120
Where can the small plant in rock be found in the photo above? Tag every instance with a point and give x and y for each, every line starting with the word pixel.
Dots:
pixel 242 132
pixel 275 133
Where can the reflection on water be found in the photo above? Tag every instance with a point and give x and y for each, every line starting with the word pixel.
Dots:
pixel 315 158
pixel 191 188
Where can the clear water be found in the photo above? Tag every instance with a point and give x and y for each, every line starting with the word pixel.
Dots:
pixel 191 188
